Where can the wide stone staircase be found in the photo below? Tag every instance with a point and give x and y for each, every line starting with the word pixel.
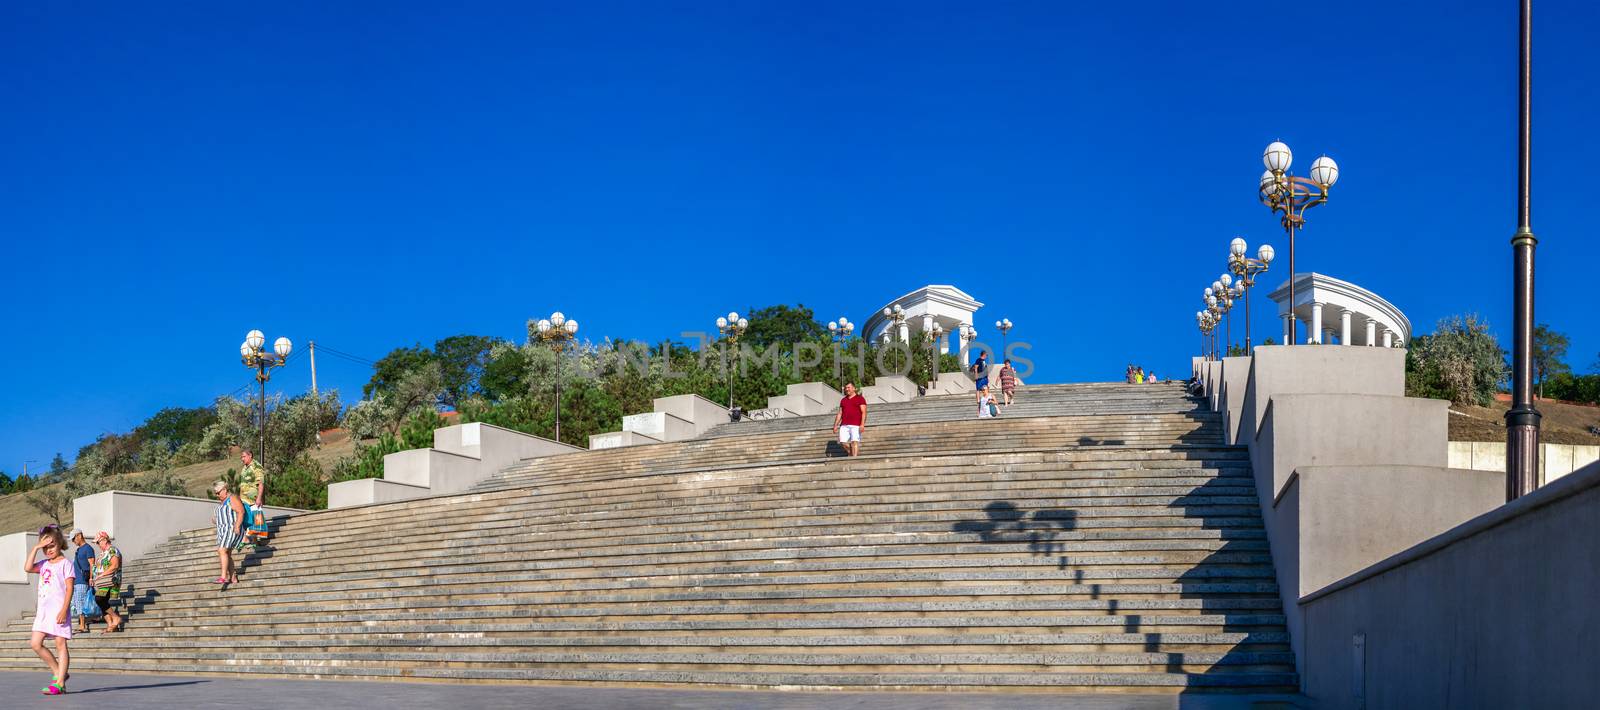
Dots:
pixel 1100 537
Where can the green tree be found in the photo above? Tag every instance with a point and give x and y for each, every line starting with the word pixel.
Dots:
pixel 176 425
pixel 6 483
pixel 1549 354
pixel 462 360
pixel 58 466
pixel 23 484
pixel 782 325
pixel 1461 361
pixel 392 369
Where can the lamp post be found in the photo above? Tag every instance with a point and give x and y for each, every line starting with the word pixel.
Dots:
pixel 1522 420
pixel 841 329
pixel 1004 326
pixel 253 357
pixel 932 336
pixel 731 327
pixel 557 332
pixel 1247 269
pixel 1292 196
pixel 1222 288
pixel 897 321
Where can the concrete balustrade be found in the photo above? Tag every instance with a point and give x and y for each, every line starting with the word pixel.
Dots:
pixel 462 455
pixel 1348 470
pixel 1495 612
pixel 16 587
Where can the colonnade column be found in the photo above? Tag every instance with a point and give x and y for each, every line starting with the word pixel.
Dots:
pixel 1344 327
pixel 1288 324
pixel 1388 338
pixel 1372 333
pixel 1316 322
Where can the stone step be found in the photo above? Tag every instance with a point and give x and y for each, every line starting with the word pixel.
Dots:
pixel 1275 682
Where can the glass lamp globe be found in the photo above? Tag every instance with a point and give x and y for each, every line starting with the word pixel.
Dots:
pixel 558 319
pixel 832 326
pixel 733 317
pixel 743 324
pixel 887 311
pixel 1237 246
pixel 1208 293
pixel 1270 184
pixel 1324 171
pixel 245 349
pixel 572 327
pixel 255 339
pixel 1277 157
pixel 722 322
pixel 1265 253
pixel 544 325
pixel 1007 321
pixel 1216 287
pixel 898 309
pixel 1211 301
pixel 1227 280
pixel 282 347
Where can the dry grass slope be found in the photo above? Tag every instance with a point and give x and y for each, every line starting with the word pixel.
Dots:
pixel 17 515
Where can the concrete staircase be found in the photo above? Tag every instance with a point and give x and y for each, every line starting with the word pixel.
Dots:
pixel 1051 551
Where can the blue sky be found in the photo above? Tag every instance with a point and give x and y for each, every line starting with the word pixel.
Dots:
pixel 374 175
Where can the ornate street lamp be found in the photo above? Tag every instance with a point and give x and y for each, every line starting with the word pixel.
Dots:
pixel 1522 420
pixel 841 329
pixel 253 357
pixel 897 320
pixel 1292 196
pixel 1247 269
pixel 1004 326
pixel 557 332
pixel 731 327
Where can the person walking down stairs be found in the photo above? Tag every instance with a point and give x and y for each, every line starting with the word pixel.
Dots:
pixel 230 522
pixel 1008 382
pixel 107 581
pixel 850 420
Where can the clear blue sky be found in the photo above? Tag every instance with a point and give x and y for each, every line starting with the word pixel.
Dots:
pixel 378 174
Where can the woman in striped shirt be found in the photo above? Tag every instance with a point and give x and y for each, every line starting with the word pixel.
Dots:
pixel 230 528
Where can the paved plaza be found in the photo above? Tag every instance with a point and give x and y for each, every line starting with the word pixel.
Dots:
pixel 141 692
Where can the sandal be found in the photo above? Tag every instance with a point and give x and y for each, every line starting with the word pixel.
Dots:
pixel 54 688
pixel 220 580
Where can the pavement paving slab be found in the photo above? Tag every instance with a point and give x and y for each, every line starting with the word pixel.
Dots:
pixel 97 691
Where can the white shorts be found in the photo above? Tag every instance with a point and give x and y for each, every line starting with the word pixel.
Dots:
pixel 849 433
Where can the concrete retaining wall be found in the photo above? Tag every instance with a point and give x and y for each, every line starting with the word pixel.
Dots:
pixel 1555 460
pixel 1498 612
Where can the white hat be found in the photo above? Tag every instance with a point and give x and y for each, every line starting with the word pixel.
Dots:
pixel 75 532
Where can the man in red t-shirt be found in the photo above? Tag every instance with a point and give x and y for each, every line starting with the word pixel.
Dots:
pixel 850 420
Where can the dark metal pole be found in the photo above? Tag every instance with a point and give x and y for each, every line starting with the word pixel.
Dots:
pixel 558 392
pixel 1247 316
pixel 1522 421
pixel 1228 329
pixel 261 409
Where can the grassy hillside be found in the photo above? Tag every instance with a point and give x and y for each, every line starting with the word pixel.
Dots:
pixel 1562 424
pixel 16 515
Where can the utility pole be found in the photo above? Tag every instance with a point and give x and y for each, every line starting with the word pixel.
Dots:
pixel 313 346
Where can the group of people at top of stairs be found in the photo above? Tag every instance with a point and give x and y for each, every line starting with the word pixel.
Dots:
pixel 851 419
pixel 241 518
pixel 987 406
pixel 75 588
pixel 1137 376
